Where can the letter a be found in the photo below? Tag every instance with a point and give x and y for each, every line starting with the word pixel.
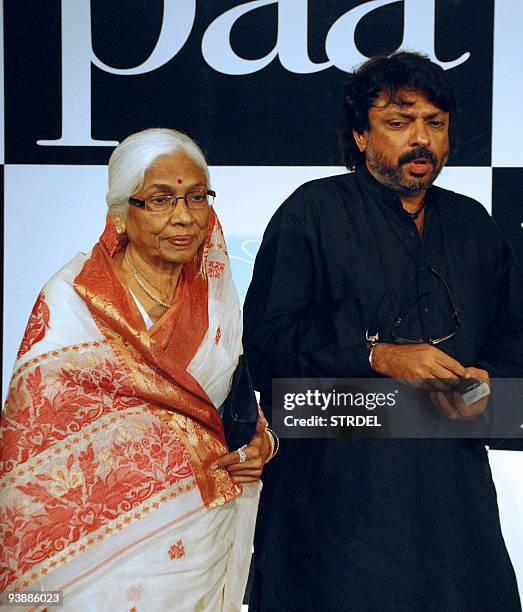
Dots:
pixel 291 45
pixel 418 33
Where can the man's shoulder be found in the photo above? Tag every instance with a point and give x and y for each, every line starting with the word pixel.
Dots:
pixel 465 217
pixel 460 202
pixel 319 192
pixel 327 184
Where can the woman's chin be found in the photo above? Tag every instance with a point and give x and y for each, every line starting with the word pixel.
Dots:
pixel 179 256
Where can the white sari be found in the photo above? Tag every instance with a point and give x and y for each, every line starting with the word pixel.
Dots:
pixel 108 433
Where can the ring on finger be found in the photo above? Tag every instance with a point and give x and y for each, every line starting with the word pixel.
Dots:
pixel 243 455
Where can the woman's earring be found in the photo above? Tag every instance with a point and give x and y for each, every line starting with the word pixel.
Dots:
pixel 118 229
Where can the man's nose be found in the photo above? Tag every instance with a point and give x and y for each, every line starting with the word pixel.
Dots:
pixel 419 134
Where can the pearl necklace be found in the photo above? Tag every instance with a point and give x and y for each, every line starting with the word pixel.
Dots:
pixel 142 284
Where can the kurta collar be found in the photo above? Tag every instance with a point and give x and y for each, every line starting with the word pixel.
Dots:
pixel 382 194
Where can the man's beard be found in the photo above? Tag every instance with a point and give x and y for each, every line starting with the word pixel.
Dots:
pixel 392 176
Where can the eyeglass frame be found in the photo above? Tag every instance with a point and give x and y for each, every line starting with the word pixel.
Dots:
pixel 433 341
pixel 143 203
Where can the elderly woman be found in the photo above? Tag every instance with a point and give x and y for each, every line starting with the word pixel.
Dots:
pixel 116 484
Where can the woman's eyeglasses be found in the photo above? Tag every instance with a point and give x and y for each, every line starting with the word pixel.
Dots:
pixel 164 204
pixel 397 339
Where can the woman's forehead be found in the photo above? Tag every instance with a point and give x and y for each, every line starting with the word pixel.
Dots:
pixel 173 168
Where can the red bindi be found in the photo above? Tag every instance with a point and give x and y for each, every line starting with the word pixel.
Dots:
pixel 180 181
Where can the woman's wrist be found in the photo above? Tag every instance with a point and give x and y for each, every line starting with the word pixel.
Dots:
pixel 273 441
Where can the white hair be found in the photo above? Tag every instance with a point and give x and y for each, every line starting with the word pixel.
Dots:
pixel 134 155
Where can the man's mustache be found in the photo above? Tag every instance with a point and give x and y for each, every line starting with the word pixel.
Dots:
pixel 419 153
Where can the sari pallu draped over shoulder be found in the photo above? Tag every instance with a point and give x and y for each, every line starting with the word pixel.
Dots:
pixel 106 422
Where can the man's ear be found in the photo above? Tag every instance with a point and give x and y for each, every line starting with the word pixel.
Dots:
pixel 361 139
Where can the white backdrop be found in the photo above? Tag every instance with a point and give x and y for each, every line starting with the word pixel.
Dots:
pixel 48 231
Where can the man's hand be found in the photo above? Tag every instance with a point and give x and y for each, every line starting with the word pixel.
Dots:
pixel 421 365
pixel 451 404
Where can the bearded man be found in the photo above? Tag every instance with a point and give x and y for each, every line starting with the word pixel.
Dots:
pixel 404 524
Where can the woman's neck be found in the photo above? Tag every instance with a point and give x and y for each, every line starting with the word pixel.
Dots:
pixel 161 277
pixel 147 280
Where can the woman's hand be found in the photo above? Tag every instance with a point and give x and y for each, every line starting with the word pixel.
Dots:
pixel 257 453
pixel 261 423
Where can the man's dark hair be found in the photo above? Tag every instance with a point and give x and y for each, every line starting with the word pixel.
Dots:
pixel 390 74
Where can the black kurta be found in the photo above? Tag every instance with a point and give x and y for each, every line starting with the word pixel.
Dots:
pixel 379 524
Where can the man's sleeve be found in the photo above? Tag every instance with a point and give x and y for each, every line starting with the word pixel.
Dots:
pixel 289 331
pixel 502 352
